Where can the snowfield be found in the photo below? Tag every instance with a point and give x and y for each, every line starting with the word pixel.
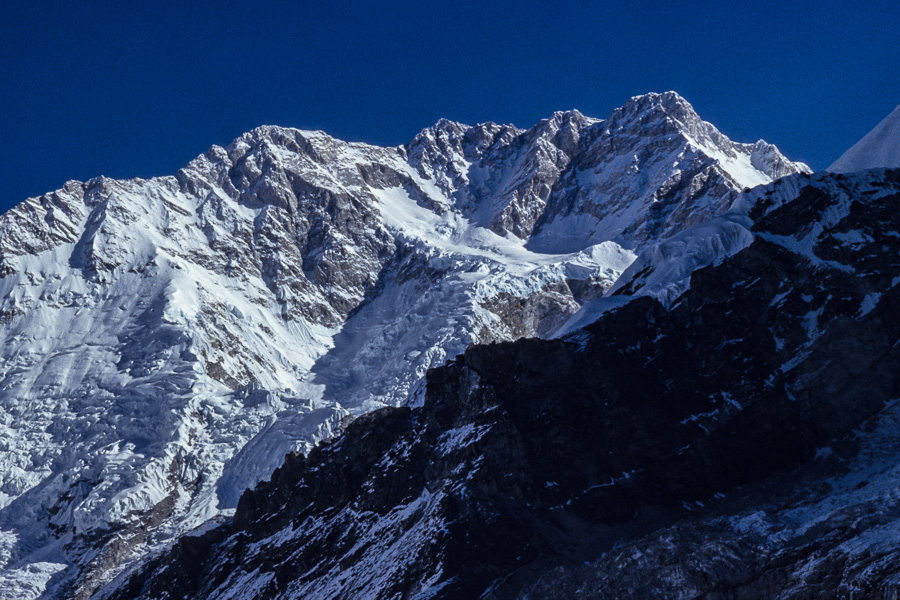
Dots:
pixel 166 342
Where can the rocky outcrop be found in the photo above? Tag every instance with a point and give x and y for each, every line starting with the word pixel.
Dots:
pixel 651 170
pixel 722 447
pixel 327 276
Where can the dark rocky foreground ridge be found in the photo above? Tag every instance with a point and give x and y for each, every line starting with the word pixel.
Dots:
pixel 699 451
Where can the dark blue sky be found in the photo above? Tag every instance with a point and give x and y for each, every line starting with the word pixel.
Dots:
pixel 137 89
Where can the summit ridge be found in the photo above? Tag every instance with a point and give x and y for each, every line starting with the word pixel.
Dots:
pixel 167 341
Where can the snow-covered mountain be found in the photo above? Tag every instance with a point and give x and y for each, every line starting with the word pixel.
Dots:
pixel 166 342
pixel 880 148
pixel 740 442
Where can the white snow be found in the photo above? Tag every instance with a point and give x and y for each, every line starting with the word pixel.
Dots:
pixel 868 303
pixel 133 308
pixel 880 148
pixel 663 270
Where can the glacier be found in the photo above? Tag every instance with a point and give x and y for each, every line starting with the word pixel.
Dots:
pixel 167 341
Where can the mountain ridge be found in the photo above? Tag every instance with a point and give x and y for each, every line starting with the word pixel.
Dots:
pixel 168 340
pixel 877 149
pixel 740 441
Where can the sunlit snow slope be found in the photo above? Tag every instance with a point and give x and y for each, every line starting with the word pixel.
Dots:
pixel 165 342
pixel 880 148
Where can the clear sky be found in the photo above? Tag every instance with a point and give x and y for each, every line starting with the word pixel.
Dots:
pixel 130 89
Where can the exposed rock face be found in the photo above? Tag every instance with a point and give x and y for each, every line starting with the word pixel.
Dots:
pixel 740 443
pixel 650 170
pixel 167 341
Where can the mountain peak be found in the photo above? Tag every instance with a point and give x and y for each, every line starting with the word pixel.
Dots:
pixel 451 128
pixel 568 116
pixel 661 113
pixel 669 103
pixel 276 284
pixel 282 136
pixel 878 148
